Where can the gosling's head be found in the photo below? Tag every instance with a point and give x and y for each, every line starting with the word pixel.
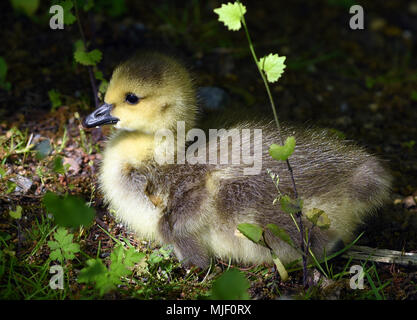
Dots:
pixel 146 93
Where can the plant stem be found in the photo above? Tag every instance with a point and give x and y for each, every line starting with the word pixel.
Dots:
pixel 271 100
pixel 90 68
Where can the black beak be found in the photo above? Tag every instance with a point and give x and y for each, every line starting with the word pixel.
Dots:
pixel 100 116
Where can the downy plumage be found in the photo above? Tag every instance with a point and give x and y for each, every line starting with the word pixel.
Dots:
pixel 197 207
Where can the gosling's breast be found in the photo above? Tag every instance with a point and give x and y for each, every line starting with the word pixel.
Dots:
pixel 125 194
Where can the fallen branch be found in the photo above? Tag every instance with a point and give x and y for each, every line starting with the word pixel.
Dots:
pixel 381 255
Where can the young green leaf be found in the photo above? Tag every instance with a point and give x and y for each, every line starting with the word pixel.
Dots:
pixel 324 221
pixel 103 84
pixel 132 257
pixel 63 248
pixel 283 152
pixel 95 269
pixel 88 58
pixel 102 88
pixel 96 272
pixel 2 172
pixel 107 279
pixel 252 231
pixel 231 15
pixel 68 211
pixel 280 267
pixel 319 218
pixel 16 214
pixel 59 166
pixel 43 149
pixel 231 285
pixel 273 66
pixel 54 97
pixel 67 5
pixel 280 233
pixel 155 258
pixel 11 186
pixel 290 206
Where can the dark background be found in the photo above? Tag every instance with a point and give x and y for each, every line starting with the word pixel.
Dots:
pixel 362 83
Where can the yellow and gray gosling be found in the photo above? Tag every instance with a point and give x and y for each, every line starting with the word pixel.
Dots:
pixel 197 208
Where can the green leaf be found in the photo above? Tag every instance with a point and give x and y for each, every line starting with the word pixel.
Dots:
pixel 28 7
pixel 273 66
pixel 280 233
pixel 319 218
pixel 68 211
pixel 95 269
pixel 107 279
pixel 11 187
pixel 231 15
pixel 133 257
pixel 56 255
pixel 103 86
pixel 2 172
pixel 280 267
pixel 98 75
pixel 290 206
pixel 54 97
pixel 370 82
pixel 53 245
pixel 252 231
pixel 283 152
pixel 413 95
pixel 63 247
pixel 88 58
pixel 5 236
pixel 96 272
pixel 59 166
pixel 231 285
pixel 155 258
pixel 43 149
pixel 16 214
pixel 69 18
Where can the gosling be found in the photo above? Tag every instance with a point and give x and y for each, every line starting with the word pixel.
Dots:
pixel 197 207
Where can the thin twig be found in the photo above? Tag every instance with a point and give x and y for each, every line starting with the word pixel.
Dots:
pixel 271 100
pixel 90 68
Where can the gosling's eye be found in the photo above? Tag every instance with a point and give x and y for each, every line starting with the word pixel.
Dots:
pixel 132 98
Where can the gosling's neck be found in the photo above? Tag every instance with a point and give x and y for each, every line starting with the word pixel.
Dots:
pixel 134 148
pixel 130 147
